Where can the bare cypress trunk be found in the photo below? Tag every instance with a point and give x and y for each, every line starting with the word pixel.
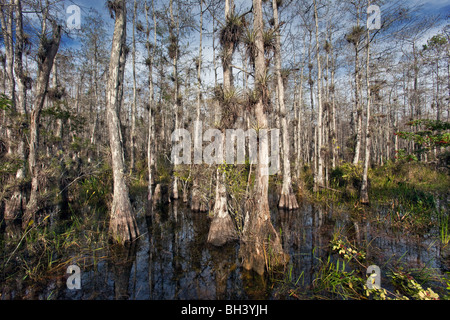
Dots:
pixel 261 247
pixel 313 141
pixel 63 201
pixel 16 204
pixel 195 200
pixel 333 136
pixel 287 196
pixel 173 53
pixel 364 195
pixel 318 175
pixel 222 228
pixel 45 58
pixel 6 21
pixel 355 39
pixel 300 126
pixel 122 225
pixel 151 57
pixel 134 104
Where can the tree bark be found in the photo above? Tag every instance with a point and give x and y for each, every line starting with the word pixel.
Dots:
pixel 15 206
pixel 45 58
pixel 122 225
pixel 222 228
pixel 318 175
pixel 7 21
pixel 176 106
pixel 151 57
pixel 358 124
pixel 261 247
pixel 364 194
pixel 287 196
pixel 196 200
pixel 134 104
pixel 300 129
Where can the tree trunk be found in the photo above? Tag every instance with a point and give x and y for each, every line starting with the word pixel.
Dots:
pixel 364 194
pixel 173 51
pixel 151 57
pixel 261 247
pixel 300 128
pixel 6 21
pixel 134 104
pixel 318 175
pixel 196 200
pixel 287 196
pixel 16 204
pixel 45 58
pixel 358 120
pixel 63 201
pixel 333 137
pixel 222 228
pixel 122 226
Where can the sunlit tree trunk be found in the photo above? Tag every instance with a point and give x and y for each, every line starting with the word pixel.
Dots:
pixel 173 53
pixel 287 196
pixel 122 226
pixel 151 56
pixel 358 121
pixel 134 104
pixel 7 21
pixel 16 204
pixel 318 175
pixel 45 58
pixel 196 204
pixel 300 130
pixel 259 235
pixel 222 228
pixel 364 195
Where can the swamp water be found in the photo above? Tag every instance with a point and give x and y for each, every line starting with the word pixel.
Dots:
pixel 171 259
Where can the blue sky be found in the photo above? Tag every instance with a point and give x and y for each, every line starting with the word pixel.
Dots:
pixel 428 8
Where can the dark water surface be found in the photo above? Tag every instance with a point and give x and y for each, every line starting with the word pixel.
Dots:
pixel 171 259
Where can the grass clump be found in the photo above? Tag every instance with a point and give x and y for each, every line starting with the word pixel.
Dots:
pixel 395 179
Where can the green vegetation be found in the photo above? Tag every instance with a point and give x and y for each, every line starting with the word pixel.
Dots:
pixel 85 140
pixel 427 135
pixel 45 249
pixel 406 197
pixel 403 194
pixel 342 275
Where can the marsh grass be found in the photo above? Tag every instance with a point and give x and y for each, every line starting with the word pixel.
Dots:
pixel 407 180
pixel 403 196
pixel 339 277
pixel 443 220
pixel 334 279
pixel 45 249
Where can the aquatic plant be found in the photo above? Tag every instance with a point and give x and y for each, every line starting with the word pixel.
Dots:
pixel 346 250
pixel 333 278
pixel 406 284
pixel 444 234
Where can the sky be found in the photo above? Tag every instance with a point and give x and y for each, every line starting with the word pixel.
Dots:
pixel 428 8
